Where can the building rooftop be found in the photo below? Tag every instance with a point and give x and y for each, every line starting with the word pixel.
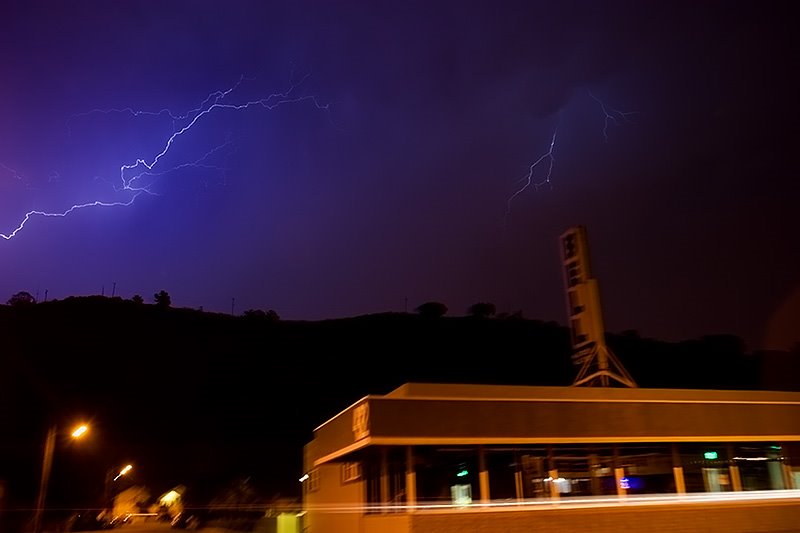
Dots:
pixel 420 391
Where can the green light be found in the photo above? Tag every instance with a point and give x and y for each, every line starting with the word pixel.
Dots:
pixel 710 455
pixel 462 473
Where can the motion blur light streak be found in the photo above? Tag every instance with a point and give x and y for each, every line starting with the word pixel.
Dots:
pixel 544 504
pixel 139 177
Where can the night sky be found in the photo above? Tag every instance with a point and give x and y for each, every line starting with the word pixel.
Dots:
pixel 390 166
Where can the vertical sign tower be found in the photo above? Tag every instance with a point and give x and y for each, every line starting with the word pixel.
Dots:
pixel 598 365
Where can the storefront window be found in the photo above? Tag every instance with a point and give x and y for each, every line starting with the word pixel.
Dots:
pixel 760 466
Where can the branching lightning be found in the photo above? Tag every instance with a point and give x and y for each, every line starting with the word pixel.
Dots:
pixel 610 115
pixel 14 173
pixel 96 203
pixel 547 159
pixel 138 177
pixel 216 96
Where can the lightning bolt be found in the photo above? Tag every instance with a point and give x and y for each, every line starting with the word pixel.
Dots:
pixel 30 214
pixel 138 177
pixel 528 181
pixel 216 96
pixel 611 115
pixel 14 173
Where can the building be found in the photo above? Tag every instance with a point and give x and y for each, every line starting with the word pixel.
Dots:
pixel 438 457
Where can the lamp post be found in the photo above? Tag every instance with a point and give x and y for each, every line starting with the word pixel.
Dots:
pixel 110 479
pixel 47 463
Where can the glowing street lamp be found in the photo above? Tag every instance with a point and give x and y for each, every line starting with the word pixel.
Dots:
pixel 47 463
pixel 109 480
pixel 123 472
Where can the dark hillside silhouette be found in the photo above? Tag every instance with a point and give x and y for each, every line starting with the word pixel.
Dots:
pixel 208 397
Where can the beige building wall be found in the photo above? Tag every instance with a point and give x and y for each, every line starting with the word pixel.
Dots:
pixel 330 503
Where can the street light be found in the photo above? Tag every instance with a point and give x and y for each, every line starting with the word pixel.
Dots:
pixel 122 472
pixel 109 480
pixel 47 463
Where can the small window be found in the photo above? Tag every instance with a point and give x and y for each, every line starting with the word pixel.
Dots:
pixel 312 483
pixel 351 472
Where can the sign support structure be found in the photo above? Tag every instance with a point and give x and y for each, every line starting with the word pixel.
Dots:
pixel 598 366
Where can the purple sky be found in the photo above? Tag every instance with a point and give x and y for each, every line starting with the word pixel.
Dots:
pixel 391 186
